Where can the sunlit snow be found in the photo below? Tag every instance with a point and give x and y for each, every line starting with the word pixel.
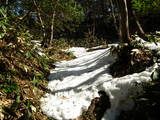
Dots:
pixel 75 83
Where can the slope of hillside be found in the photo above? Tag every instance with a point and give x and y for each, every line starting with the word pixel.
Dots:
pixel 73 84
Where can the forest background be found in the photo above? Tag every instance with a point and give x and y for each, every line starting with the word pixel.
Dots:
pixel 57 24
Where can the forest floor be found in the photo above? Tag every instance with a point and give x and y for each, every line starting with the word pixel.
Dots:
pixel 78 86
pixel 23 78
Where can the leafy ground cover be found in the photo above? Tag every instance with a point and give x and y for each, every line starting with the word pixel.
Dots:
pixel 23 79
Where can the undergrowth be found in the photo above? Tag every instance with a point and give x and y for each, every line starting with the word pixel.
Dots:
pixel 147 104
pixel 132 58
pixel 23 78
pixel 23 73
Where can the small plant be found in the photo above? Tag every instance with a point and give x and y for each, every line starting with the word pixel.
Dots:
pixel 9 87
pixel 35 81
pixel 13 72
pixel 152 39
pixel 70 54
pixel 28 55
pixel 3 22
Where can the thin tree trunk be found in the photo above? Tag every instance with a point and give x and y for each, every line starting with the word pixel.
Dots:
pixel 119 21
pixel 42 24
pixel 53 20
pixel 25 15
pixel 124 26
pixel 6 4
pixel 6 7
pixel 52 26
pixel 139 27
pixel 113 15
pixel 132 14
pixel 94 28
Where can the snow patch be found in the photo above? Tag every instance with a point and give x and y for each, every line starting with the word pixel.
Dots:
pixel 77 51
pixel 75 83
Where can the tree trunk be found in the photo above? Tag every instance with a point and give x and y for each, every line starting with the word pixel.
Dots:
pixel 53 20
pixel 6 4
pixel 42 24
pixel 6 7
pixel 52 27
pixel 94 27
pixel 134 19
pixel 113 15
pixel 123 16
pixel 140 30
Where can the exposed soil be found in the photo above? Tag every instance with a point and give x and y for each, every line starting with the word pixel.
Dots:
pixel 97 108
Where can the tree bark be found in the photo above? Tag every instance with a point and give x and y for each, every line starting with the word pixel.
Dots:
pixel 123 18
pixel 6 7
pixel 6 4
pixel 53 20
pixel 113 15
pixel 140 30
pixel 42 24
pixel 52 26
pixel 135 20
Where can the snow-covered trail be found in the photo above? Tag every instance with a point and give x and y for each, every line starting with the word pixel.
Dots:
pixel 76 82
